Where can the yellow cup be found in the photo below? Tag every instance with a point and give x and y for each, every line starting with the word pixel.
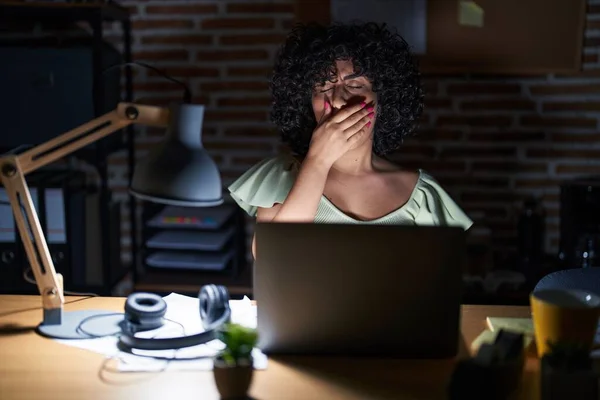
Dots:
pixel 564 315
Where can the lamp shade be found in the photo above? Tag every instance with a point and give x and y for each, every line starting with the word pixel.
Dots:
pixel 179 171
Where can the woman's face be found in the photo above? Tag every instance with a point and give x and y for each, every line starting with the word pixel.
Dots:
pixel 345 89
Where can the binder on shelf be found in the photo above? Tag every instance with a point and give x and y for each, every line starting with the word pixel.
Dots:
pixel 191 240
pixel 214 261
pixel 188 238
pixel 211 218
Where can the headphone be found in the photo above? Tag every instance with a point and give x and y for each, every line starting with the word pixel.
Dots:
pixel 146 311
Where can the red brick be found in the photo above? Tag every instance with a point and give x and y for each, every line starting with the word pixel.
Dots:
pixel 188 72
pixel 478 152
pixel 200 99
pixel 162 101
pixel 259 8
pixel 250 132
pixel 177 39
pixel 503 137
pixel 436 167
pixel 147 24
pixel 162 55
pixel 536 184
pixel 437 102
pixel 410 150
pixel 585 73
pixel 251 39
pixel 249 71
pixel 590 58
pixel 238 145
pixel 162 86
pixel 475 182
pixel 488 197
pixel 483 89
pixel 244 101
pixel 431 88
pixel 593 24
pixel 232 55
pixel 558 122
pixel 234 116
pixel 592 106
pixel 507 166
pixel 498 105
pixel 186 9
pixel 593 9
pixel 438 134
pixel 578 169
pixel 563 153
pixel 591 42
pixel 552 90
pixel 233 86
pixel 591 138
pixel 496 211
pixel 238 23
pixel 159 132
pixel 287 24
pixel 480 120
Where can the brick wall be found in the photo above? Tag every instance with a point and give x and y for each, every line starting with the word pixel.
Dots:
pixel 490 141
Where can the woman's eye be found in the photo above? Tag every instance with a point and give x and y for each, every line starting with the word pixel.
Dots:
pixel 325 90
pixel 354 87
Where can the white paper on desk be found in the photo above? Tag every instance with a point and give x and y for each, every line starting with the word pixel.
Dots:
pixel 183 310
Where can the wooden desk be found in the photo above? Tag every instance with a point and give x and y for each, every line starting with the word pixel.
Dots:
pixel 33 367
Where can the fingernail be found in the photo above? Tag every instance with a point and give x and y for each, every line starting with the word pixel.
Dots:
pixel 370 108
pixel 369 123
pixel 370 115
pixel 363 104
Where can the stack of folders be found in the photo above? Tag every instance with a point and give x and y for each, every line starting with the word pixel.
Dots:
pixel 187 238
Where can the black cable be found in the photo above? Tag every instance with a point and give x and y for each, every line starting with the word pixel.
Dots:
pixel 187 96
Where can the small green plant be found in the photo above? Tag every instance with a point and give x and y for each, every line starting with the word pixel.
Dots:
pixel 569 356
pixel 239 342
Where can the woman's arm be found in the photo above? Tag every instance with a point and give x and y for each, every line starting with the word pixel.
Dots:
pixel 303 199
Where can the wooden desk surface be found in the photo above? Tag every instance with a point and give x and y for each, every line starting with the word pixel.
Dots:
pixel 33 367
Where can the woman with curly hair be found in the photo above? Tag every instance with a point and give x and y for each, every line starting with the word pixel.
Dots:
pixel 344 97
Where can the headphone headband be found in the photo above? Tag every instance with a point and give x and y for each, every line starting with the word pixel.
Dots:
pixel 144 311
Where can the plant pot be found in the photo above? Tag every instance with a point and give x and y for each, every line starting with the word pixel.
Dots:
pixel 573 384
pixel 233 382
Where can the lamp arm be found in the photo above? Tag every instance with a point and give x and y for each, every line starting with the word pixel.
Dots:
pixel 13 169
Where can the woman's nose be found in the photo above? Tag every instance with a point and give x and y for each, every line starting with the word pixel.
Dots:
pixel 337 98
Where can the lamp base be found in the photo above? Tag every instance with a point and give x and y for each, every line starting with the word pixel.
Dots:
pixel 83 324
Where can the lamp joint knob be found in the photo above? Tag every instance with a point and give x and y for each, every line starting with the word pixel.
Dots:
pixel 9 169
pixel 131 112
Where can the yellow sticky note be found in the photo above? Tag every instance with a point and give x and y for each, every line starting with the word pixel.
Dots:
pixel 488 336
pixel 470 14
pixel 518 325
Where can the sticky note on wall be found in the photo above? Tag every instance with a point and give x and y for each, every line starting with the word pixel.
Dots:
pixel 470 14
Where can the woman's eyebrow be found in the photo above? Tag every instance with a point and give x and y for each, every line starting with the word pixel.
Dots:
pixel 352 76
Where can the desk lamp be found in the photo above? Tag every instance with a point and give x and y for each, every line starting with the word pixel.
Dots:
pixel 178 171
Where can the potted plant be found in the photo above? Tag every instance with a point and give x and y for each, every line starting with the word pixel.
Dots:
pixel 567 372
pixel 233 366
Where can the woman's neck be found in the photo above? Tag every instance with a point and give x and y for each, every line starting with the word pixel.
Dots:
pixel 355 162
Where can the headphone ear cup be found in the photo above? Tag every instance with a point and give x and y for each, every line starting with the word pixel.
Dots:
pixel 214 303
pixel 144 311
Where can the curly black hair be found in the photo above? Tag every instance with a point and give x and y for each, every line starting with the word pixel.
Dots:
pixel 307 58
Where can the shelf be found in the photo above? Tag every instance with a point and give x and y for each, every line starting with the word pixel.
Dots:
pixel 172 281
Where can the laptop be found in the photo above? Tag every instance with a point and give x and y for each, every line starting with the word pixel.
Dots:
pixel 359 290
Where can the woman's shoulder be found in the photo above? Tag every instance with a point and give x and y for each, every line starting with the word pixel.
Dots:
pixel 265 184
pixel 436 205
